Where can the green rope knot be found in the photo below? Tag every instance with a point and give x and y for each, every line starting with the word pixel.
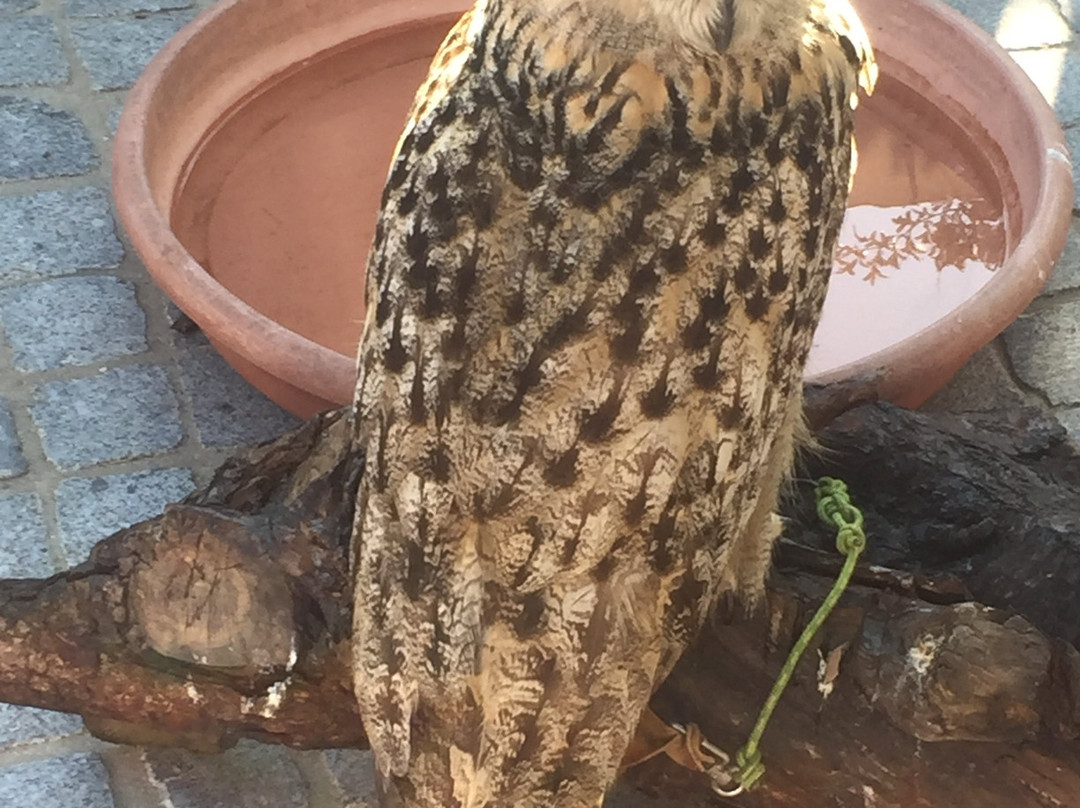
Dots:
pixel 835 509
pixel 850 540
pixel 751 769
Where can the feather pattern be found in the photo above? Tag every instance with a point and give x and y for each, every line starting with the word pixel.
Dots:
pixel 601 255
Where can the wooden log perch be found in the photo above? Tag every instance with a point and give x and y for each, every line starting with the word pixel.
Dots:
pixel 948 676
pixel 226 617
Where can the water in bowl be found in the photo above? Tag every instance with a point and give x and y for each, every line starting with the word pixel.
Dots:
pixel 925 229
pixel 279 203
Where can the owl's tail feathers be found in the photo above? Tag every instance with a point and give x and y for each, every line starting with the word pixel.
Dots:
pixel 386 703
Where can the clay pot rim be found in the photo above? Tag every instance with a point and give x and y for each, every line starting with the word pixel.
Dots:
pixel 238 327
pixel 893 370
pixel 235 325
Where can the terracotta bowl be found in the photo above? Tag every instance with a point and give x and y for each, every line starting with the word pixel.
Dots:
pixel 251 154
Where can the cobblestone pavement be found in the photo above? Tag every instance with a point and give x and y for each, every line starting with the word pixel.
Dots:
pixel 107 413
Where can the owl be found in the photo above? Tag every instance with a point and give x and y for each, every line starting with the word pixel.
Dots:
pixel 602 250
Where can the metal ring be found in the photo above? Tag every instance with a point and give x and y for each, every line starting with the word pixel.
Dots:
pixel 733 793
pixel 712 748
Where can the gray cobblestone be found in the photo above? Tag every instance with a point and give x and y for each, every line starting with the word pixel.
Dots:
pixel 118 414
pixel 1047 68
pixel 1070 9
pixel 15 6
pixel 228 410
pixel 248 776
pixel 72 321
pixel 1028 28
pixel 1042 344
pixel 1072 139
pixel 37 140
pixel 23 552
pixel 12 462
pixel 1070 419
pixel 56 233
pixel 116 50
pixel 112 120
pixel 75 780
pixel 984 383
pixel 1018 23
pixel 984 13
pixel 89 509
pixel 108 8
pixel 1066 100
pixel 20 725
pixel 30 53
pixel 1066 274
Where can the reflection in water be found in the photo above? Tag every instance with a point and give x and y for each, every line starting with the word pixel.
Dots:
pixel 901 268
pixel 948 234
pixel 924 231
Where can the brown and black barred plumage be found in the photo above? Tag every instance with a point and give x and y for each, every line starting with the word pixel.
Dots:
pixel 602 252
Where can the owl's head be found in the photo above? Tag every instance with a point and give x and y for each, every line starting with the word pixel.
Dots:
pixel 751 24
pixel 720 23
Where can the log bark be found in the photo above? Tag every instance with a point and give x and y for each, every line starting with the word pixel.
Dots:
pixel 948 676
pixel 226 617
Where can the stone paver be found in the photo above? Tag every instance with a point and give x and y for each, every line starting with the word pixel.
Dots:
pixel 1067 96
pixel 1070 419
pixel 37 140
pixel 30 53
pixel 65 782
pixel 1018 23
pixel 108 8
pixel 12 462
pixel 72 321
pixel 229 411
pixel 19 725
pixel 56 233
pixel 1066 275
pixel 1070 9
pixel 1040 35
pixel 984 383
pixel 118 414
pixel 1044 342
pixel 1050 70
pixel 23 551
pixel 108 386
pixel 1072 140
pixel 115 50
pixel 113 118
pixel 14 6
pixel 248 776
pixel 91 508
pixel 986 13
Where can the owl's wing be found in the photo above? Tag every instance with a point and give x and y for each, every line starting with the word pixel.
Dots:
pixel 594 280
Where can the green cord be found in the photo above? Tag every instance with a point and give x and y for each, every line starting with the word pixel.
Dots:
pixel 834 508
